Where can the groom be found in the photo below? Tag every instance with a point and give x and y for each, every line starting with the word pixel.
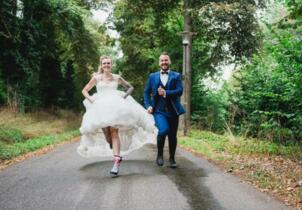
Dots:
pixel 161 98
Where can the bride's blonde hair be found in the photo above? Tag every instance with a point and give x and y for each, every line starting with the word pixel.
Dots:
pixel 100 70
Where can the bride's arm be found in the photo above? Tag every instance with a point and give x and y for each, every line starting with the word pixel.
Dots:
pixel 126 85
pixel 87 88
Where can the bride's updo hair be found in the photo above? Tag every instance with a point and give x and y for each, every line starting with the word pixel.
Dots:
pixel 100 70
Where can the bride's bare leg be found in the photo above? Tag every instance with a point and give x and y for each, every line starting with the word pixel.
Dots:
pixel 107 135
pixel 116 144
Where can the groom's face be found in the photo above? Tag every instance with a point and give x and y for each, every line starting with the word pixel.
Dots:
pixel 164 62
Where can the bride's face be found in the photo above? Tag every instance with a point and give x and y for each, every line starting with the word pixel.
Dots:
pixel 106 65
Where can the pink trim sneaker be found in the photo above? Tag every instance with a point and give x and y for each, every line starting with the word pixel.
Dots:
pixel 115 169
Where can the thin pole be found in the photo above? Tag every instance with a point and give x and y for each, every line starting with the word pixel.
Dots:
pixel 187 70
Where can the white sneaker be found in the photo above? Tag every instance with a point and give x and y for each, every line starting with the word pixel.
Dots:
pixel 115 169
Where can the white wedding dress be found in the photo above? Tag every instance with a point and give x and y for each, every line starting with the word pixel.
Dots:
pixel 136 126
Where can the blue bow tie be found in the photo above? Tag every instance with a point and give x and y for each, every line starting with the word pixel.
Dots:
pixel 164 72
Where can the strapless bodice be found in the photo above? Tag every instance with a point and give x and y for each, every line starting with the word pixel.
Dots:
pixel 105 85
pixel 102 85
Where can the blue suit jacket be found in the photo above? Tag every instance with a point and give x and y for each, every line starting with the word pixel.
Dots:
pixel 173 89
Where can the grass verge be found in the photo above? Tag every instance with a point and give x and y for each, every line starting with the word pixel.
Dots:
pixel 9 151
pixel 24 133
pixel 270 167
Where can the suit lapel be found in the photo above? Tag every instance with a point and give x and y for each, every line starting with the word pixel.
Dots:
pixel 170 76
pixel 157 79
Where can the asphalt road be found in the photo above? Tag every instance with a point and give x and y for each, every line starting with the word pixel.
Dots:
pixel 63 180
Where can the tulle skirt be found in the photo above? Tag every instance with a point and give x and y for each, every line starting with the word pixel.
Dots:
pixel 136 127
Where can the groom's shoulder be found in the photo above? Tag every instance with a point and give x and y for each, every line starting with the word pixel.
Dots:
pixel 154 73
pixel 175 72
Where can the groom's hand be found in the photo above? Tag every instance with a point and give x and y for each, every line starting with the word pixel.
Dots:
pixel 150 109
pixel 161 91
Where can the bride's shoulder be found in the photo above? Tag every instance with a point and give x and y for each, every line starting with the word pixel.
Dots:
pixel 97 76
pixel 116 76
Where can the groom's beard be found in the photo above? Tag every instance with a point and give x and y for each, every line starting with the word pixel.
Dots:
pixel 165 68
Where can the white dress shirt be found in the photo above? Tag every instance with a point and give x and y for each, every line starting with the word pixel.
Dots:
pixel 164 77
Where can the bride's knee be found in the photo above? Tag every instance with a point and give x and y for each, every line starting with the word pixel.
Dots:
pixel 113 130
pixel 114 133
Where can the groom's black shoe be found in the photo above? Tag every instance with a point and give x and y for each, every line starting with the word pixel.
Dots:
pixel 160 150
pixel 160 161
pixel 172 163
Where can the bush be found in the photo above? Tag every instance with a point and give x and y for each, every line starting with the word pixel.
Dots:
pixel 11 135
pixel 269 97
pixel 210 110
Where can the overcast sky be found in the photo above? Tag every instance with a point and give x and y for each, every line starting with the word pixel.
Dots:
pixel 99 15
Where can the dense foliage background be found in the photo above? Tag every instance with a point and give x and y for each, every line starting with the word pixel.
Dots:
pixel 268 96
pixel 52 46
pixel 49 49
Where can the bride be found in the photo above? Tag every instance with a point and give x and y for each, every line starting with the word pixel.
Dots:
pixel 113 122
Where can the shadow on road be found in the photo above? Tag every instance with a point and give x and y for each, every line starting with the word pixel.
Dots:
pixel 188 178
